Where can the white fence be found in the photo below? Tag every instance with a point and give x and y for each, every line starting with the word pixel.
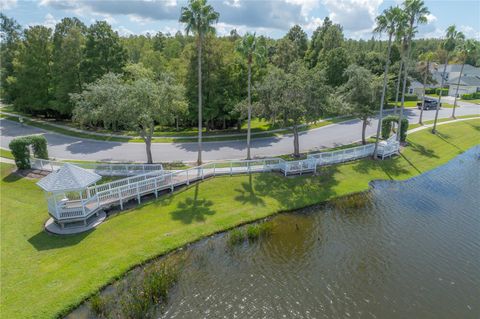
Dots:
pixel 151 179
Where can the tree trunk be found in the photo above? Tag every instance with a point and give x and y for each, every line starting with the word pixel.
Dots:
pixel 456 91
pixel 296 143
pixel 147 138
pixel 424 89
pixel 249 108
pixel 404 86
pixel 398 87
pixel 434 130
pixel 176 123
pixel 382 100
pixel 199 159
pixel 364 129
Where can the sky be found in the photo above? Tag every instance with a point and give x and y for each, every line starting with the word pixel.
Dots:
pixel 267 17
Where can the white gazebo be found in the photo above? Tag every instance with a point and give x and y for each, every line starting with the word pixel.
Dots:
pixel 68 195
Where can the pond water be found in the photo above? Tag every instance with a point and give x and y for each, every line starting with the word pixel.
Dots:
pixel 411 250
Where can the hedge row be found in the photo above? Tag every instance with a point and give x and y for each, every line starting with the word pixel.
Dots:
pixel 411 97
pixel 21 151
pixel 471 96
pixel 387 127
pixel 443 91
pixel 431 91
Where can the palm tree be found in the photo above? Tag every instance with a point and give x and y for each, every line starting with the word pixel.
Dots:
pixel 426 59
pixel 451 40
pixel 415 13
pixel 465 48
pixel 199 17
pixel 250 48
pixel 388 22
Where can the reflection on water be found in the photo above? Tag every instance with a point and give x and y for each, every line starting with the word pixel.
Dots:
pixel 411 251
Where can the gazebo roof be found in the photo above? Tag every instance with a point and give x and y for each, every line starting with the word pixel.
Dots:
pixel 67 178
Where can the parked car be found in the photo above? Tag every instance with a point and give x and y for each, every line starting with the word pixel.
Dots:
pixel 430 104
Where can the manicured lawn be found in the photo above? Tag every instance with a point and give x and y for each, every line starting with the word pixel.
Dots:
pixel 6 153
pixel 477 101
pixel 415 125
pixel 413 104
pixel 43 276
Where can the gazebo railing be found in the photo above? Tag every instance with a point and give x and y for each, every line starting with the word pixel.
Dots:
pixel 125 189
pixel 99 168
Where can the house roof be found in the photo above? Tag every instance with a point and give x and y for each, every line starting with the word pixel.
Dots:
pixel 465 80
pixel 69 177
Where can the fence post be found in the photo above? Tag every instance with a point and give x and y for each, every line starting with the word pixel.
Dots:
pixel 138 193
pixel 203 174
pixel 120 197
pixel 171 182
pixel 188 179
pixel 156 186
pixel 214 169
pixel 314 165
pixel 231 168
pixel 248 167
pixel 264 166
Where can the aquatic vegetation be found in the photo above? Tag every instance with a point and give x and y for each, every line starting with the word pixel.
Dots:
pixel 235 237
pixel 138 297
pixel 354 201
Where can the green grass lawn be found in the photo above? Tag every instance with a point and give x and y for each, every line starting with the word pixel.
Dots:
pixel 476 101
pixel 415 125
pixel 6 153
pixel 43 276
pixel 413 104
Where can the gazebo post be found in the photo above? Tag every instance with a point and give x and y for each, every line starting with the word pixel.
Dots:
pixel 55 203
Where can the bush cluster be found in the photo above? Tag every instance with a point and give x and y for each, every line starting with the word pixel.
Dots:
pixel 21 151
pixel 444 92
pixel 411 97
pixel 431 91
pixel 471 96
pixel 387 127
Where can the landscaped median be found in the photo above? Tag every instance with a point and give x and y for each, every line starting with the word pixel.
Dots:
pixel 44 276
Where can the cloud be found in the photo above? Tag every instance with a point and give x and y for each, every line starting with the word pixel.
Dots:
pixel 431 18
pixel 470 33
pixel 354 15
pixel 8 4
pixel 49 22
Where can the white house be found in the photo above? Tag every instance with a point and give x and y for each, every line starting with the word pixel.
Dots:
pixel 469 80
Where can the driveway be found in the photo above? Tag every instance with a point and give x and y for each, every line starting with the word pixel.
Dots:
pixel 67 147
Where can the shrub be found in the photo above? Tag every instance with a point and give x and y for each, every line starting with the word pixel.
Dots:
pixel 443 92
pixel 21 152
pixel 387 127
pixel 471 96
pixel 431 91
pixel 411 97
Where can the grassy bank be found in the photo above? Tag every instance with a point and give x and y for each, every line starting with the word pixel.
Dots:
pixel 43 276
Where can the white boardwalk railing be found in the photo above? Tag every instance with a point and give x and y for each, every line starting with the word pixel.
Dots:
pixel 99 168
pixel 151 179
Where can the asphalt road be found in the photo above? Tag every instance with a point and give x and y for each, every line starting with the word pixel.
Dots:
pixel 67 147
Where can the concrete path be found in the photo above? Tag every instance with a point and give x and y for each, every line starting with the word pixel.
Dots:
pixel 67 147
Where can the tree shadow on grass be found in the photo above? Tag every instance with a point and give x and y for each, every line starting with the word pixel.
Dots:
pixel 193 209
pixel 391 166
pixel 247 195
pixel 11 178
pixel 422 150
pixel 298 191
pixel 444 137
pixel 45 241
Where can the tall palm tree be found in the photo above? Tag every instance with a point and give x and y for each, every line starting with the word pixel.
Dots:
pixel 387 21
pixel 250 48
pixel 424 66
pixel 416 13
pixel 199 17
pixel 464 49
pixel 451 40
